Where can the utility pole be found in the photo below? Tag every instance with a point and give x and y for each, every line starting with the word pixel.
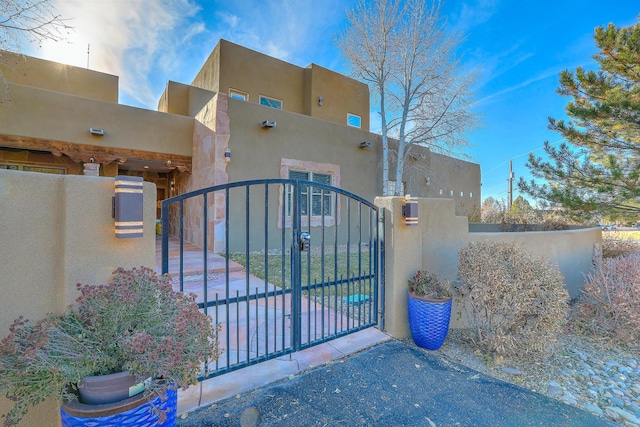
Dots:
pixel 510 181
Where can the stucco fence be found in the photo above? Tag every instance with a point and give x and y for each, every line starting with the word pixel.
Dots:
pixel 57 231
pixel 434 244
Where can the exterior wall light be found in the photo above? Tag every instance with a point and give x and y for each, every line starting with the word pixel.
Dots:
pixel 410 211
pixel 320 101
pixel 364 144
pixel 128 206
pixel 268 124
pixel 98 132
pixel 227 155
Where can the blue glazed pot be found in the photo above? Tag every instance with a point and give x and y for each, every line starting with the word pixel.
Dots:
pixel 134 411
pixel 429 321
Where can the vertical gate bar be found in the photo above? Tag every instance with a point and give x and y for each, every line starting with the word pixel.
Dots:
pixel 266 266
pixel 257 326
pixel 247 269
pixel 359 262
pixel 348 258
pixel 205 244
pixel 372 272
pixel 226 264
pixel 283 262
pixel 165 237
pixel 296 276
pixel 309 211
pixel 238 327
pixel 380 266
pixel 181 274
pixel 322 281
pixel 335 269
pixel 217 321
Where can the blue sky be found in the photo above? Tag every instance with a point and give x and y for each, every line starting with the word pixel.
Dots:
pixel 518 48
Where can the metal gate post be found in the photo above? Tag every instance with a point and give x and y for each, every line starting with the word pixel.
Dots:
pixel 296 270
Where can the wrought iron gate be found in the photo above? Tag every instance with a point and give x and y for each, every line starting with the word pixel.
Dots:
pixel 290 264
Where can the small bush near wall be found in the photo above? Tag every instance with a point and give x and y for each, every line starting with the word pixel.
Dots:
pixel 515 301
pixel 619 243
pixel 610 302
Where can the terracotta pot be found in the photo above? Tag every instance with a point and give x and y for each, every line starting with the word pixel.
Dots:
pixel 101 389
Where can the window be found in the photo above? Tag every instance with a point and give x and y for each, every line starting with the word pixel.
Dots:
pixel 321 201
pixel 317 206
pixel 238 94
pixel 32 168
pixel 353 120
pixel 462 194
pixel 270 102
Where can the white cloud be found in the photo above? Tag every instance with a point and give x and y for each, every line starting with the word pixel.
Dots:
pixel 127 39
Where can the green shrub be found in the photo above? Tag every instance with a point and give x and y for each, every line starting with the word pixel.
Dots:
pixel 514 301
pixel 610 302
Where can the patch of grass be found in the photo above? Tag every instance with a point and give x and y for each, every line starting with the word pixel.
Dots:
pixel 316 269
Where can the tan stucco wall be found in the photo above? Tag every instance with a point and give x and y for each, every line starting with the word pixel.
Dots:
pixel 340 95
pixel 53 76
pixel 38 113
pixel 440 234
pixel 231 66
pixel 185 100
pixel 57 231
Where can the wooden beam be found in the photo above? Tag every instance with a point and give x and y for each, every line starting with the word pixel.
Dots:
pixel 103 155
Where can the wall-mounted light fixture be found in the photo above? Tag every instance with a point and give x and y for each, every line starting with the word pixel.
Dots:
pixel 410 210
pixel 127 206
pixel 364 144
pixel 320 101
pixel 428 180
pixel 98 132
pixel 268 124
pixel 227 155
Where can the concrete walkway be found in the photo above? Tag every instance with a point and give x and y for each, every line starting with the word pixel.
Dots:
pixel 392 384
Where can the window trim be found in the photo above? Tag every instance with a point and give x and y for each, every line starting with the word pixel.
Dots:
pixel 350 116
pixel 239 93
pixel 21 167
pixel 271 99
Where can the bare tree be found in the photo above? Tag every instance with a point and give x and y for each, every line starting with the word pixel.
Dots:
pixel 404 51
pixel 28 21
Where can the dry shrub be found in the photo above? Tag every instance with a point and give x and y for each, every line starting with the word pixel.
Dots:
pixel 515 301
pixel 610 302
pixel 615 243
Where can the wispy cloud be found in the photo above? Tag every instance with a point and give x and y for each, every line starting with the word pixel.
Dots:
pixel 128 39
pixel 521 85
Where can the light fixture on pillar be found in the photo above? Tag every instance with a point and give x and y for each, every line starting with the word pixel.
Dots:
pixel 128 206
pixel 410 210
pixel 227 155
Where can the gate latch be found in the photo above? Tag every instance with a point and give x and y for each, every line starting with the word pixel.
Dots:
pixel 305 241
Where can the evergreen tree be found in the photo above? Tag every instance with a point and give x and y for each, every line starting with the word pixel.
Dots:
pixel 598 170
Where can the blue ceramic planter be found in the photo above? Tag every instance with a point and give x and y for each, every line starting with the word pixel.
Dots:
pixel 429 321
pixel 134 411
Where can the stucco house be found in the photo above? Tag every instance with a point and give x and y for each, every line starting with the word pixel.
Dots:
pixel 244 116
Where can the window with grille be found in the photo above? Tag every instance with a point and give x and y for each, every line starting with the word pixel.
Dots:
pixel 319 200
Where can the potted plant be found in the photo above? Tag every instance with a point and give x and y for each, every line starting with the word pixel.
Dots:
pixel 429 306
pixel 136 331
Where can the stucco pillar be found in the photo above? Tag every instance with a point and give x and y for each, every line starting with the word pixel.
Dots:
pixel 403 252
pixel 92 169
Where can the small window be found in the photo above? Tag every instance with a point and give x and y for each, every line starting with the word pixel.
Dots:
pixel 462 194
pixel 33 168
pixel 238 94
pixel 320 201
pixel 270 102
pixel 353 120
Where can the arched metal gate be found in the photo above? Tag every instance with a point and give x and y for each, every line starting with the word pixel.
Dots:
pixel 285 264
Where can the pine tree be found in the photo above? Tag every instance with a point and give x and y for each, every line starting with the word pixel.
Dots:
pixel 598 169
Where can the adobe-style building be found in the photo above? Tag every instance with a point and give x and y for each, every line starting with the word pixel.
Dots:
pixel 245 116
